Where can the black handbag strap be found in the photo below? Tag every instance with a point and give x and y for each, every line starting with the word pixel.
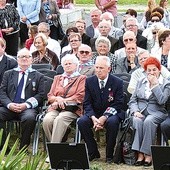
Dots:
pixel 69 87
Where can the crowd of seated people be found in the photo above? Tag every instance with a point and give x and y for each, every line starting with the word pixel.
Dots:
pixel 86 62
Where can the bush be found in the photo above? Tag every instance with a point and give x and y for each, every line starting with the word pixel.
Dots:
pixel 20 160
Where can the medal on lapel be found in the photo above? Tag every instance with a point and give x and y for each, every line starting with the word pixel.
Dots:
pixel 33 85
pixel 110 97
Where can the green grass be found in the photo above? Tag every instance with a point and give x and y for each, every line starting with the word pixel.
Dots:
pixel 122 2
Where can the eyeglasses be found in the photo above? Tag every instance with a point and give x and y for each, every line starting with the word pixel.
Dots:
pixel 84 52
pixel 154 32
pixel 128 39
pixel 128 26
pixel 155 20
pixel 42 31
pixel 74 40
pixel 24 56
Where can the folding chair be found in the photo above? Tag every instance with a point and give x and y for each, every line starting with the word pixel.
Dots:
pixel 47 72
pixel 40 116
pixel 41 66
pixel 123 76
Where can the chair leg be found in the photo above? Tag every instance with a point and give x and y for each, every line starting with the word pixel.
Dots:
pixel 36 137
pixel 78 134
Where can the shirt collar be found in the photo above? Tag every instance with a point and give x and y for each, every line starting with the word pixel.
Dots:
pixel 89 63
pixel 105 80
pixel 1 57
pixel 75 74
pixel 29 69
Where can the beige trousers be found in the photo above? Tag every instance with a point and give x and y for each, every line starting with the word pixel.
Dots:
pixel 56 123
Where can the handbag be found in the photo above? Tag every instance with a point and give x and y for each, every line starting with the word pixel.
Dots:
pixel 69 106
pixel 123 151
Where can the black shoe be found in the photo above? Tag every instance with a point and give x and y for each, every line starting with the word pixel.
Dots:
pixel 139 163
pixel 146 164
pixel 109 160
pixel 94 156
pixel 65 137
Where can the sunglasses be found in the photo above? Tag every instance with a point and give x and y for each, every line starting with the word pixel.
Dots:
pixel 155 20
pixel 84 52
pixel 154 32
pixel 129 39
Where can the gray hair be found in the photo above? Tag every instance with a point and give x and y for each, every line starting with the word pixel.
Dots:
pixel 105 58
pixel 43 37
pixel 132 19
pixel 85 46
pixel 96 10
pixel 46 25
pixel 70 57
pixel 143 51
pixel 105 22
pixel 109 14
pixel 103 40
pixel 23 51
pixel 129 32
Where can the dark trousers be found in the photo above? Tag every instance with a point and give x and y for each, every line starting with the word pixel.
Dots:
pixel 165 128
pixel 11 44
pixel 85 125
pixel 24 32
pixel 27 119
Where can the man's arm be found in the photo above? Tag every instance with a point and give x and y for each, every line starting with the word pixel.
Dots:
pixel 87 104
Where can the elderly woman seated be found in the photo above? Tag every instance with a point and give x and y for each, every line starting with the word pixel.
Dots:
pixel 43 55
pixel 103 45
pixel 65 99
pixel 147 105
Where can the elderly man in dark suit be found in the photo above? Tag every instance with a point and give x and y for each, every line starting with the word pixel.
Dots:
pixel 104 29
pixel 132 25
pixel 102 106
pixel 21 91
pixel 6 62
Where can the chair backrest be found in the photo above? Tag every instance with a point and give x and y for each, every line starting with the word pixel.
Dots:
pixel 48 83
pixel 123 76
pixel 47 72
pixel 41 66
pixel 59 70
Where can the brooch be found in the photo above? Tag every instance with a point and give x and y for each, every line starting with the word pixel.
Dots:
pixel 110 97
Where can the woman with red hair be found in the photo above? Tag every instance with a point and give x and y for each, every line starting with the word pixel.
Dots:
pixel 147 105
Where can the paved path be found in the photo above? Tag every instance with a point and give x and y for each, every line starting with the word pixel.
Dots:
pixel 88 7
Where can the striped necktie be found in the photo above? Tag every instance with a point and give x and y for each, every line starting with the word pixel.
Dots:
pixel 17 98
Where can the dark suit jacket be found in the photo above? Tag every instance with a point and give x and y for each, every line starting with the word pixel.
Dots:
pixel 90 31
pixel 141 42
pixel 114 44
pixel 6 63
pixel 85 39
pixel 9 86
pixel 94 105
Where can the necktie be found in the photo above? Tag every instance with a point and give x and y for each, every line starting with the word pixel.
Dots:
pixel 101 89
pixel 102 84
pixel 17 98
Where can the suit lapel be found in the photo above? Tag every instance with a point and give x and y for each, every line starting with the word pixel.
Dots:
pixel 85 69
pixel 3 63
pixel 107 89
pixel 30 78
pixel 95 84
pixel 15 78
